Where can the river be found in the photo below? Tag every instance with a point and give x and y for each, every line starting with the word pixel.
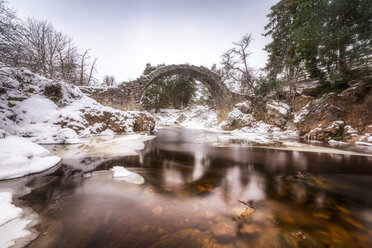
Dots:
pixel 201 195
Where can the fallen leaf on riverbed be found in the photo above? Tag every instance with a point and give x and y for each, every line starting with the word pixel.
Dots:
pixel 246 212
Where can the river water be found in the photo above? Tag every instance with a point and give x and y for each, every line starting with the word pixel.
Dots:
pixel 201 195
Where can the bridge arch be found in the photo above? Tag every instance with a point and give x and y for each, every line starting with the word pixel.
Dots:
pixel 211 80
pixel 127 95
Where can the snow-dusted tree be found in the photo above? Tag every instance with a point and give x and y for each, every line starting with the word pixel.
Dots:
pixel 235 65
pixel 38 46
pixel 108 80
pixel 11 37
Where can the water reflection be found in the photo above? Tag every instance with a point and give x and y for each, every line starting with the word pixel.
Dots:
pixel 196 195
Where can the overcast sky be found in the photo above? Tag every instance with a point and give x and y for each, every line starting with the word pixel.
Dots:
pixel 127 34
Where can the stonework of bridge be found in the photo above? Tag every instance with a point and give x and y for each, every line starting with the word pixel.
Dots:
pixel 127 95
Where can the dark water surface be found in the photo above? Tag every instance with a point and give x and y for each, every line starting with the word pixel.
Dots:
pixel 196 195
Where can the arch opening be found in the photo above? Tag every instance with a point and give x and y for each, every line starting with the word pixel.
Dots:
pixel 210 80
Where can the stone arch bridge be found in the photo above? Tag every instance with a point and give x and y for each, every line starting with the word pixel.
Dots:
pixel 127 95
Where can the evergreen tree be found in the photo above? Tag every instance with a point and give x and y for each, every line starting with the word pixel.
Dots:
pixel 328 40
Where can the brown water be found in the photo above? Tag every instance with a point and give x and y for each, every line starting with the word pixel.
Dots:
pixel 196 195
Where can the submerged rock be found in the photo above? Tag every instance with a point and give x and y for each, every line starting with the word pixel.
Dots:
pixel 189 238
pixel 224 231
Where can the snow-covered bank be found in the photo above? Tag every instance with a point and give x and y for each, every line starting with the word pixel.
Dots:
pixel 194 117
pixel 13 225
pixel 242 126
pixel 20 157
pixel 48 111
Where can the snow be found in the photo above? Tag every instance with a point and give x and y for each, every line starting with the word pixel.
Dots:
pixel 199 117
pixel 26 111
pixel 12 224
pixel 20 157
pixel 7 210
pixel 300 115
pixel 363 143
pixel 120 171
pixel 36 109
pixel 122 174
pixel 279 107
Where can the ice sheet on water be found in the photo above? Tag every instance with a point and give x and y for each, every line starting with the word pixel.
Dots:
pixel 12 223
pixel 20 157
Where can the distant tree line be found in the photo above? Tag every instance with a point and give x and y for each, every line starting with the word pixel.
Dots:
pixel 39 47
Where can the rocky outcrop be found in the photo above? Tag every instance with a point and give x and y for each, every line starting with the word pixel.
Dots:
pixel 300 101
pixel 335 115
pixel 115 121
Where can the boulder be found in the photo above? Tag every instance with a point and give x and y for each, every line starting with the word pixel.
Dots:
pixel 279 112
pixel 334 131
pixel 236 120
pixel 244 107
pixel 144 122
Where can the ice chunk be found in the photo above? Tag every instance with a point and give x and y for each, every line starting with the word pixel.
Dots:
pixel 120 171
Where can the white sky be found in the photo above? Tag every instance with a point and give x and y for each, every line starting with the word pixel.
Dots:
pixel 125 35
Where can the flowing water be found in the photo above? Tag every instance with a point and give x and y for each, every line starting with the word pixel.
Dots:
pixel 199 195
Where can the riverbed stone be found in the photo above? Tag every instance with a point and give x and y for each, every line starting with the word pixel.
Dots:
pixel 223 231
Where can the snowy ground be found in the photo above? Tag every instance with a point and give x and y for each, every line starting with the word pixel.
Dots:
pixel 31 106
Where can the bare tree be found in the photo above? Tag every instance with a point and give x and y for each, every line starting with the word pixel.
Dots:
pixel 235 64
pixel 108 80
pixel 92 71
pixel 11 45
pixel 39 47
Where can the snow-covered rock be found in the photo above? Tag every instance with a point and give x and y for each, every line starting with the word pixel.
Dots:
pixel 244 107
pixel 279 111
pixel 236 120
pixel 122 174
pixel 324 133
pixel 20 157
